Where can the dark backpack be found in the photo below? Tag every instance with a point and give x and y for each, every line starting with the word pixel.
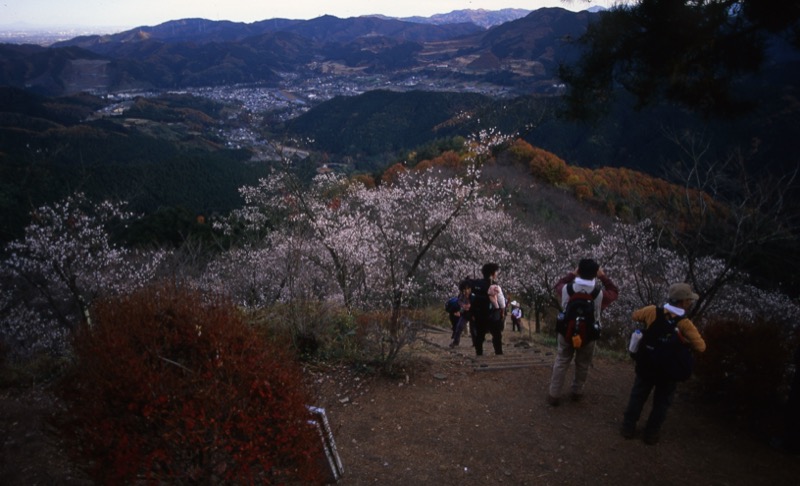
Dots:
pixel 452 306
pixel 662 354
pixel 578 319
pixel 480 305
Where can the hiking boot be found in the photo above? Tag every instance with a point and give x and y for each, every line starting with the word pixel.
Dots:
pixel 651 438
pixel 553 401
pixel 627 431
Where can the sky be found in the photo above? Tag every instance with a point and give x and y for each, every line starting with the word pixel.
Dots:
pixel 136 13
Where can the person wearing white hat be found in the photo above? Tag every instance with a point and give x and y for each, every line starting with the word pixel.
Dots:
pixel 516 316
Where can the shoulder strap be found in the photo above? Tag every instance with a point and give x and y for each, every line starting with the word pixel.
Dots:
pixel 661 318
pixel 661 314
pixel 594 293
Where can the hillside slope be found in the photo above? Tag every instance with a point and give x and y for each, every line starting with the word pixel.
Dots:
pixel 443 421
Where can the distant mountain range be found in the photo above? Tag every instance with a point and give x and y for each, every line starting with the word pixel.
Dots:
pixel 480 17
pixel 521 52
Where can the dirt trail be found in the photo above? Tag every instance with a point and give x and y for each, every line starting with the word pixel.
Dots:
pixel 458 420
pixel 452 419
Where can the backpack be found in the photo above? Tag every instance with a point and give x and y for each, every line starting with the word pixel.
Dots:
pixel 452 306
pixel 662 353
pixel 481 306
pixel 577 323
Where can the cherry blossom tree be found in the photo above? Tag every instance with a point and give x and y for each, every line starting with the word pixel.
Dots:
pixel 539 262
pixel 407 222
pixel 67 259
pixel 374 242
pixel 282 205
pixel 475 238
pixel 644 268
pixel 411 239
pixel 279 270
pixel 25 330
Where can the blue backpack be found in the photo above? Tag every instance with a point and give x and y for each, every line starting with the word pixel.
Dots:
pixel 452 305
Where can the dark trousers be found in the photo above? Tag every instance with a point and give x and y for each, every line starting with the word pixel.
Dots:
pixel 662 399
pixel 454 323
pixel 495 328
pixel 462 323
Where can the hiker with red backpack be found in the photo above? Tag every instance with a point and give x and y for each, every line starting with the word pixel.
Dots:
pixel 584 294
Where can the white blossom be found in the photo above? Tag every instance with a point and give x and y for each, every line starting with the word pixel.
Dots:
pixel 67 259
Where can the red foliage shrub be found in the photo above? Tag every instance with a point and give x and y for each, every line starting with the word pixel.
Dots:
pixel 391 174
pixel 543 165
pixel 448 159
pixel 171 385
pixel 367 180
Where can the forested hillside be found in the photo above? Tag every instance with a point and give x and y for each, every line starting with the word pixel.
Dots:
pixel 166 153
pixel 163 154
pixel 651 139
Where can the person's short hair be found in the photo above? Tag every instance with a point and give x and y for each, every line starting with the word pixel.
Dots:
pixel 465 284
pixel 489 269
pixel 588 268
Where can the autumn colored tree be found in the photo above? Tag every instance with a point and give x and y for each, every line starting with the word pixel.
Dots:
pixel 449 159
pixel 543 165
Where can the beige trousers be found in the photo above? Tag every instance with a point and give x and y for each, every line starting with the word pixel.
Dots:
pixel 583 360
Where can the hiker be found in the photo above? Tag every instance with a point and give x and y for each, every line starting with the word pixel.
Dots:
pixel 587 284
pixel 464 304
pixel 453 310
pixel 655 373
pixel 488 315
pixel 516 316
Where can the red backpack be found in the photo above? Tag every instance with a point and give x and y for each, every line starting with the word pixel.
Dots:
pixel 577 323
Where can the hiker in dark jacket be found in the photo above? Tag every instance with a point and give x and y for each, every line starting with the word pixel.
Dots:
pixel 488 319
pixel 681 299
